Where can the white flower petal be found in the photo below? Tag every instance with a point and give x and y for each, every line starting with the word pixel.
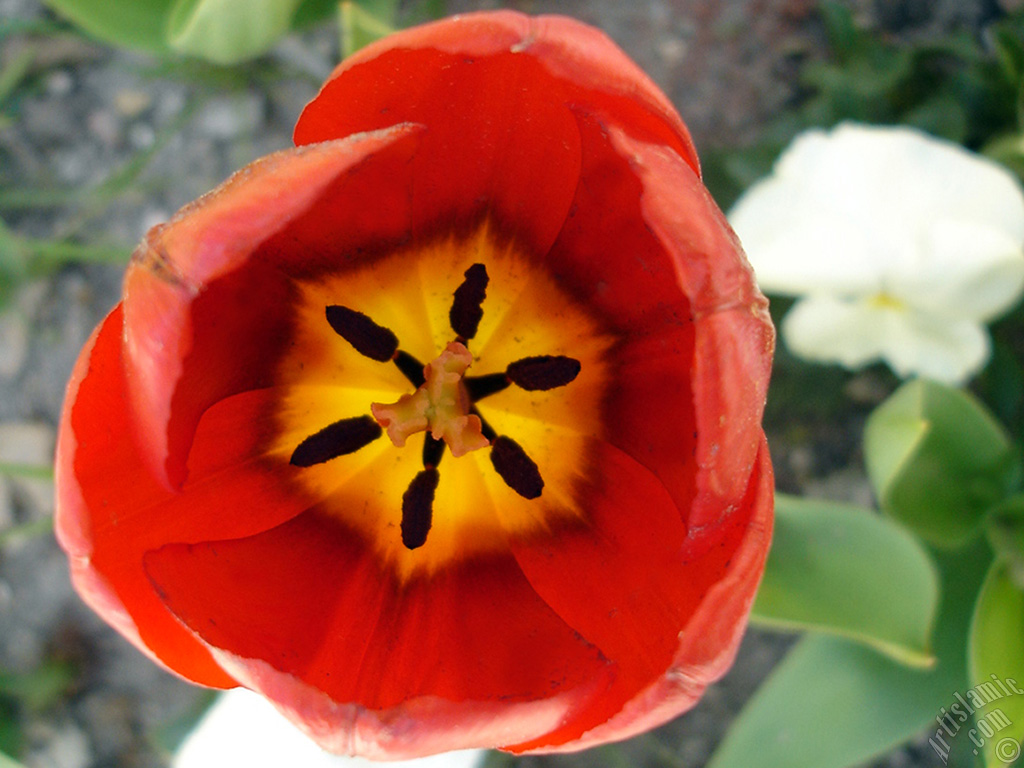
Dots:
pixel 242 728
pixel 975 272
pixel 835 331
pixel 940 180
pixel 860 210
pixel 854 333
pixel 797 227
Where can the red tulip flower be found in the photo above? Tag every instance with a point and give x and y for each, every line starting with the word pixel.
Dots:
pixel 441 430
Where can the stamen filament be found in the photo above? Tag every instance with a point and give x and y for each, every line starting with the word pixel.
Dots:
pixel 410 367
pixel 481 386
pixel 433 450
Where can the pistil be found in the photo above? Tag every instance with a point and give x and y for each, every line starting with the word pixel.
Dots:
pixel 441 404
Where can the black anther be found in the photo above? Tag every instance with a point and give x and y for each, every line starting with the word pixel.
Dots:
pixel 543 372
pixel 340 438
pixel 466 312
pixel 518 470
pixel 418 508
pixel 374 341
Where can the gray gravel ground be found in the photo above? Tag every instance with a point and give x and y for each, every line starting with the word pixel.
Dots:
pixel 87 111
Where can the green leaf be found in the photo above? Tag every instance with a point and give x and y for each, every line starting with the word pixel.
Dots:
pixel 843 35
pixel 12 740
pixel 848 571
pixel 364 22
pixel 996 664
pixel 41 687
pixel 313 11
pixel 31 471
pixel 169 735
pixel 137 24
pixel 1008 150
pixel 228 31
pixel 1005 529
pixel 14 72
pixel 7 762
pixel 1009 49
pixel 941 115
pixel 832 702
pixel 938 461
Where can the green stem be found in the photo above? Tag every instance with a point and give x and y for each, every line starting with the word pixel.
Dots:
pixel 32 471
pixel 28 530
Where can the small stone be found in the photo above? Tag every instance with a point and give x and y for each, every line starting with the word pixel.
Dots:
pixel 7 519
pixel 151 217
pixel 26 442
pixel 141 136
pixel 849 484
pixel 14 337
pixel 30 444
pixel 131 102
pixel 672 50
pixel 233 117
pixel 171 101
pixel 72 166
pixel 105 126
pixel 60 83
pixel 64 746
pixel 47 120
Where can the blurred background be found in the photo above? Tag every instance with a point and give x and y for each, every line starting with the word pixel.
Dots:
pixel 98 143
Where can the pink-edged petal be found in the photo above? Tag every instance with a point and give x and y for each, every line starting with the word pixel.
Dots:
pixel 647 248
pixel 657 600
pixel 203 319
pixel 305 614
pixel 733 335
pixel 110 509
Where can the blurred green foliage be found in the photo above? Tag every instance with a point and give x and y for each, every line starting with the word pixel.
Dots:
pixel 967 89
pixel 231 31
pixel 221 31
pixel 32 692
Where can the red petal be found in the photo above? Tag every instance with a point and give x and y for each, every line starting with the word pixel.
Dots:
pixel 711 637
pixel 668 608
pixel 608 256
pixel 92 450
pixel 110 509
pixel 733 334
pixel 591 68
pixel 305 614
pixel 650 251
pixel 203 318
pixel 499 141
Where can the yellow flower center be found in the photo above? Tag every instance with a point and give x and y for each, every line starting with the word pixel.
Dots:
pixel 488 379
pixel 885 300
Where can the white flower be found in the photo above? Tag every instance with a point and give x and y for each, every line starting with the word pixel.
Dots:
pixel 242 728
pixel 902 246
